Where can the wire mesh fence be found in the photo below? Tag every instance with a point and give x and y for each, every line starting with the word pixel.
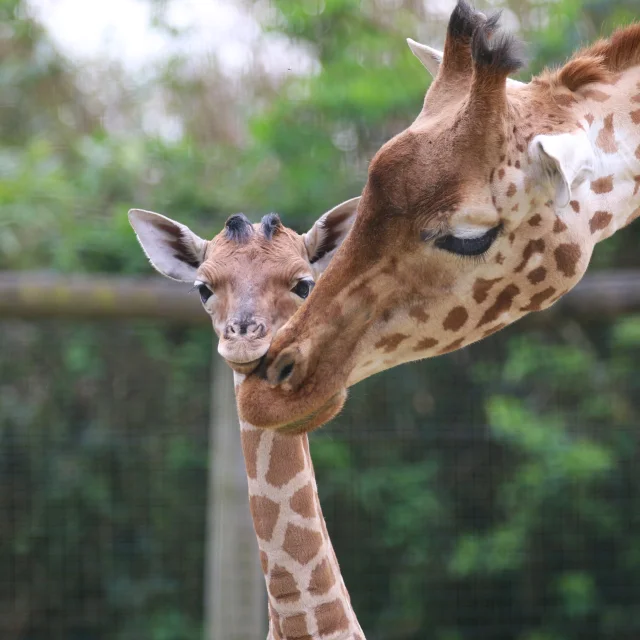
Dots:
pixel 490 494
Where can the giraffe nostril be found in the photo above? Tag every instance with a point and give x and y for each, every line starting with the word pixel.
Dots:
pixel 288 369
pixel 285 372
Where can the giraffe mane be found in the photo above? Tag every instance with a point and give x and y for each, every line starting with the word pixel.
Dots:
pixel 598 62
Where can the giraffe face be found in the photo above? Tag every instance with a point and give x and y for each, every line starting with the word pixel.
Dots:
pixel 253 278
pixel 250 278
pixel 485 209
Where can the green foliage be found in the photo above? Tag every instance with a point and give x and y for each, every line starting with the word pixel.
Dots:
pixel 489 494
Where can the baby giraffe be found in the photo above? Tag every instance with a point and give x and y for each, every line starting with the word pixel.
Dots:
pixel 251 279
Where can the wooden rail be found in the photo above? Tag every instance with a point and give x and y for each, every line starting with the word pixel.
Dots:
pixel 599 295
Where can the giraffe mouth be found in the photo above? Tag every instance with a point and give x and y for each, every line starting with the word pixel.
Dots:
pixel 244 367
pixel 317 418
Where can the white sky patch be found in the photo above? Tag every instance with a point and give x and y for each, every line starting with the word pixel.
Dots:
pixel 121 30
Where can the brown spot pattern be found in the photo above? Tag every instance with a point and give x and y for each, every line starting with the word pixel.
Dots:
pixel 559 226
pixel 602 185
pixel 537 275
pixel 589 118
pixel 564 99
pixel 638 152
pixel 303 501
pixel 567 257
pixel 250 441
pixel 499 258
pixel 534 221
pixel 302 544
pixel 264 562
pixel 533 246
pixel 481 288
pixel 595 94
pixel 575 205
pixel 419 314
pixel 391 342
pixel 265 514
pixel 600 220
pixel 282 585
pixel 425 343
pixel 636 98
pixel 537 299
pixel 502 303
pixel 637 181
pixel 286 461
pixel 495 329
pixel 635 116
pixel 511 191
pixel 452 347
pixel 606 139
pixel 455 319
pixel 322 579
pixel 331 618
pixel 295 627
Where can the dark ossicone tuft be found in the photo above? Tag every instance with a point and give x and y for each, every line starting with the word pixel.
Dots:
pixel 270 224
pixel 238 228
pixel 464 21
pixel 502 53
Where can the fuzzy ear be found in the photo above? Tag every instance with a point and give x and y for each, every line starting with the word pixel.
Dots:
pixel 328 232
pixel 173 249
pixel 432 59
pixel 567 159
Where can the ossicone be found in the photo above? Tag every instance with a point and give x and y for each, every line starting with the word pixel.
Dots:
pixel 238 228
pixel 496 53
pixel 271 223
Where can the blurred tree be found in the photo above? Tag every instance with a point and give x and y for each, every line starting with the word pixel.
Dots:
pixel 489 494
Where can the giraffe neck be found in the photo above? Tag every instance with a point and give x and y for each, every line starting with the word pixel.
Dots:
pixel 611 117
pixel 307 596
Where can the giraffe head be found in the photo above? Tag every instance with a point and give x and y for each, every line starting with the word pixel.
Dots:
pixel 477 214
pixel 251 278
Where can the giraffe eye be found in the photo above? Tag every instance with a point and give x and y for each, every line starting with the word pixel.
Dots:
pixel 303 288
pixel 468 246
pixel 205 292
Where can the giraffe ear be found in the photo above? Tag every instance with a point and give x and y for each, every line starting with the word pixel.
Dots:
pixel 172 248
pixel 328 233
pixel 430 58
pixel 567 159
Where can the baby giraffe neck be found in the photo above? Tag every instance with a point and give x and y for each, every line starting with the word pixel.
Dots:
pixel 307 596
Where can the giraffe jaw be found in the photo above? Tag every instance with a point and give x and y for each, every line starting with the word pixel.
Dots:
pixel 317 418
pixel 307 422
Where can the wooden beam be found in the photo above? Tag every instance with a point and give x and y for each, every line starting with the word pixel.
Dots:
pixel 97 297
pixel 600 295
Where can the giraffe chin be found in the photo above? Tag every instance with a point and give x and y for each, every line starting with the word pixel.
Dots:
pixel 309 421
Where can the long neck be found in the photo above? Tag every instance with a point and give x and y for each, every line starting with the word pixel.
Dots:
pixel 307 596
pixel 611 114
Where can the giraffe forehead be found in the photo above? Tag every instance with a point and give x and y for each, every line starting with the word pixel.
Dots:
pixel 259 259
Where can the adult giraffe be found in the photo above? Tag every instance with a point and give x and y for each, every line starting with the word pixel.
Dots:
pixel 251 279
pixel 485 209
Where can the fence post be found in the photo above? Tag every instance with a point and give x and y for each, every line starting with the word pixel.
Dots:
pixel 235 600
